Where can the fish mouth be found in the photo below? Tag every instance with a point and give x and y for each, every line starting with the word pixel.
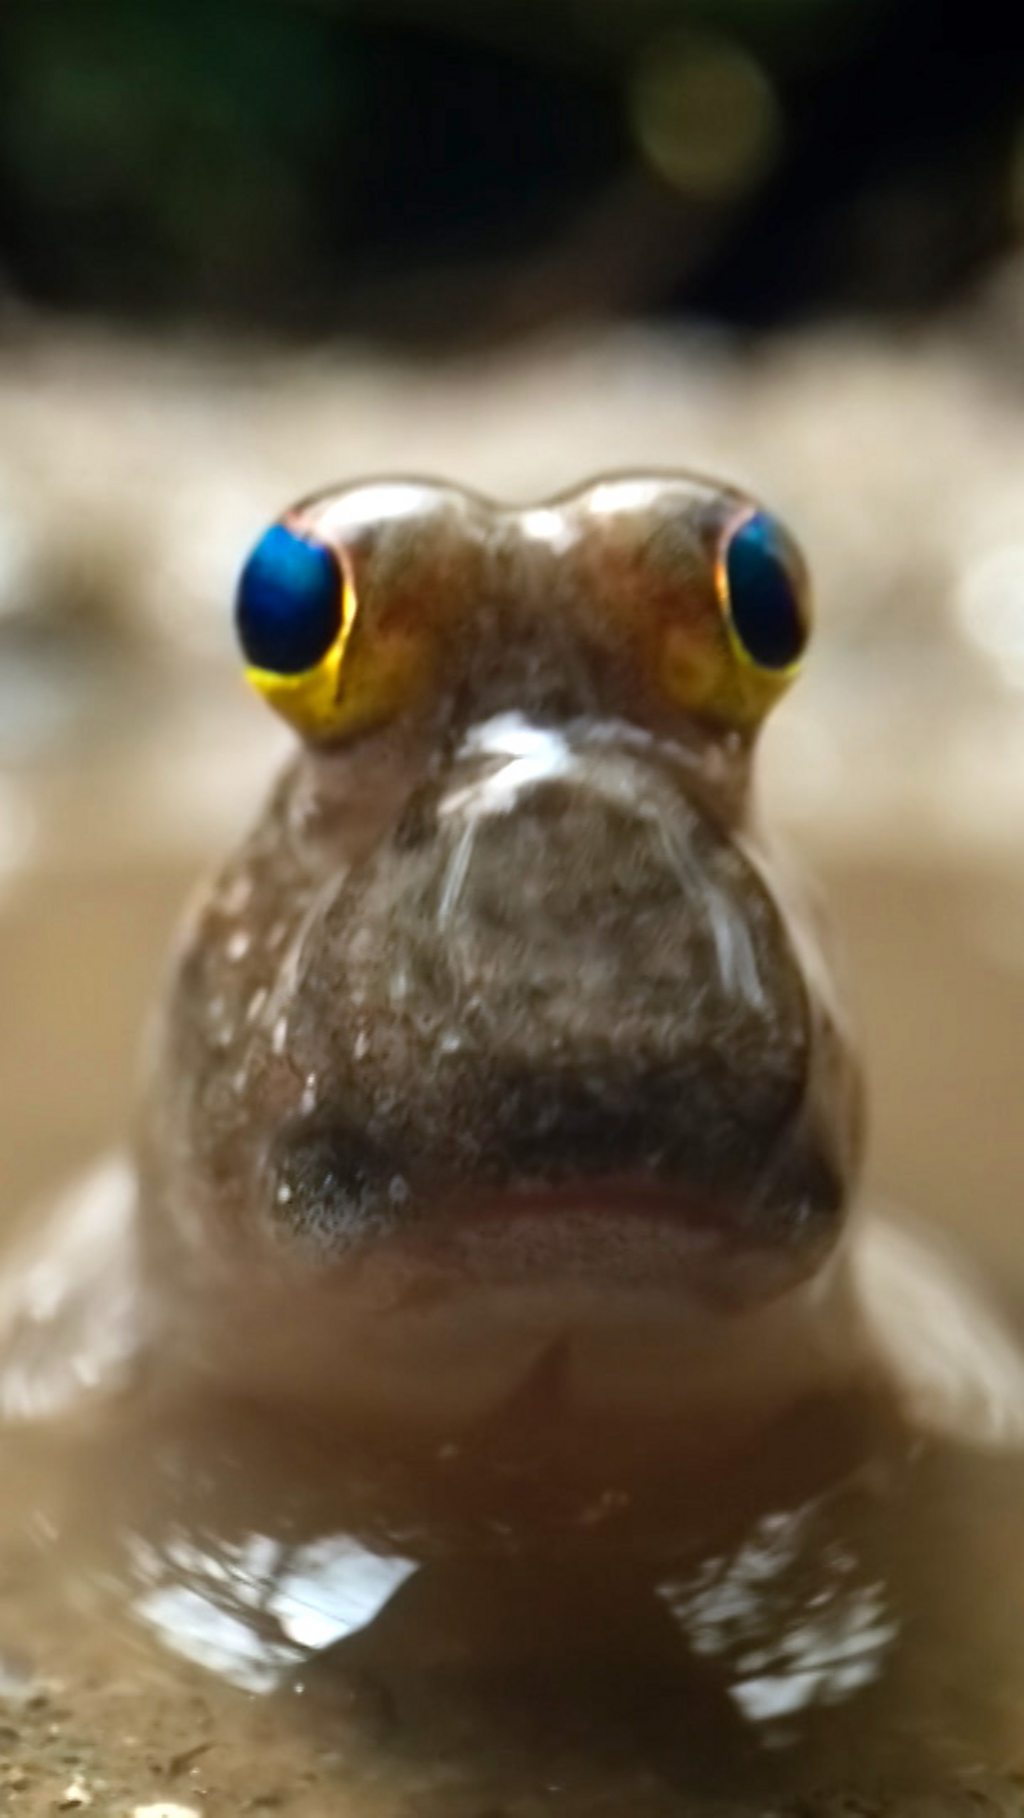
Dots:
pixel 655 1302
pixel 611 1241
pixel 618 1301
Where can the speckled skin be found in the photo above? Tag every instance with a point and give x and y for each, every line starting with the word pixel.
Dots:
pixel 497 992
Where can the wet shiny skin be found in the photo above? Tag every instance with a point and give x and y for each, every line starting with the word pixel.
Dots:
pixel 495 1042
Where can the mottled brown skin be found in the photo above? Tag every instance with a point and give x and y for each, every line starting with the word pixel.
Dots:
pixel 444 1026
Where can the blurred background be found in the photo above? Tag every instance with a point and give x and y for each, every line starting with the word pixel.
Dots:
pixel 248 247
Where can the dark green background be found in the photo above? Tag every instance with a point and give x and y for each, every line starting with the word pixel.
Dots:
pixel 464 171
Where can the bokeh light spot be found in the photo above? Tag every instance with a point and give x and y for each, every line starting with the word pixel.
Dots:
pixel 705 114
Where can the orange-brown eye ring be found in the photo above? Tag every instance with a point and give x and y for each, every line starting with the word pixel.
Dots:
pixel 763 589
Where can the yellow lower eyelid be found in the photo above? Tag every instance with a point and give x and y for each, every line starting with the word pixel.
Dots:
pixel 711 671
pixel 309 701
pixel 714 676
pixel 357 687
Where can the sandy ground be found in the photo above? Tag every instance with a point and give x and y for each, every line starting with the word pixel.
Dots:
pixel 188 1754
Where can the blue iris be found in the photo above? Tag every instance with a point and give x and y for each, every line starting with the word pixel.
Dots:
pixel 764 595
pixel 288 606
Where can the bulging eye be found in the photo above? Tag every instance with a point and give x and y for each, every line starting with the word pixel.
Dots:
pixel 764 592
pixel 289 605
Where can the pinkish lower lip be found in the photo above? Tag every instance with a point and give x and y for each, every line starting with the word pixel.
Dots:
pixel 614 1238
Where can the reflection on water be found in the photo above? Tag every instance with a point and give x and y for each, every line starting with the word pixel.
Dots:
pixel 823 1651
pixel 256 1610
pixel 858 1638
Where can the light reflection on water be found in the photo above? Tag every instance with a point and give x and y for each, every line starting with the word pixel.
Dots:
pixel 821 1651
pixel 257 1611
pixel 837 1635
pixel 789 1653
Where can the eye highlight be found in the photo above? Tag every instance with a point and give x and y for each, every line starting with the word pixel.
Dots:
pixel 288 608
pixel 763 590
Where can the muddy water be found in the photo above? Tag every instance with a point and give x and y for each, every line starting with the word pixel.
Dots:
pixel 183 1616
